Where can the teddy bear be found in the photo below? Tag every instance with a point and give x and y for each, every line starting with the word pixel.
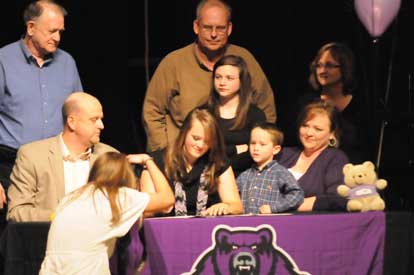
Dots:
pixel 361 184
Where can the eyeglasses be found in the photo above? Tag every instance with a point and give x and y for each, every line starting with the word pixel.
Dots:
pixel 328 66
pixel 217 29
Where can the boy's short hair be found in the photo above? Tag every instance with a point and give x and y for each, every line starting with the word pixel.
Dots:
pixel 275 133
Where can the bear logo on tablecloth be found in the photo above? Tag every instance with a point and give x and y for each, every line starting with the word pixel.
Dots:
pixel 244 251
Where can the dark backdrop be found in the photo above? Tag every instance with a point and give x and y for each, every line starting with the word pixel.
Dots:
pixel 107 39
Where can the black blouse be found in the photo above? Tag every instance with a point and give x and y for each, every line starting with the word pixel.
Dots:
pixel 191 181
pixel 243 161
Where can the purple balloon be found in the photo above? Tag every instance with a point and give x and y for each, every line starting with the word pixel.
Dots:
pixel 376 15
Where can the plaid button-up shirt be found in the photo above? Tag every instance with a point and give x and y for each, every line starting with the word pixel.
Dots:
pixel 274 185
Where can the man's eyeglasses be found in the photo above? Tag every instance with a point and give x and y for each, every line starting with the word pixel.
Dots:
pixel 328 66
pixel 217 29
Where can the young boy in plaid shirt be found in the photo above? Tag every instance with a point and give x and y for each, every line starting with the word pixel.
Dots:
pixel 267 187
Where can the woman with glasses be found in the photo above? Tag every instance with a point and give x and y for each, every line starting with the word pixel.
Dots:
pixel 231 103
pixel 332 75
pixel 332 79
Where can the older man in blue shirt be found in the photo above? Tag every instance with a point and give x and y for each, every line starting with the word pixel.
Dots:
pixel 35 79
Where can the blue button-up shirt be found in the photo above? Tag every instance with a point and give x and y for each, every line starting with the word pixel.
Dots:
pixel 274 185
pixel 31 97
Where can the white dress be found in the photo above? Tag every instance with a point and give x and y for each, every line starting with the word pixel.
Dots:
pixel 81 238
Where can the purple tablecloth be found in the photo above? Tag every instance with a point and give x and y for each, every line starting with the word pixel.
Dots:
pixel 127 260
pixel 307 244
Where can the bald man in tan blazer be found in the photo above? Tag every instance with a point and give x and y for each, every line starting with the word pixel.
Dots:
pixel 38 176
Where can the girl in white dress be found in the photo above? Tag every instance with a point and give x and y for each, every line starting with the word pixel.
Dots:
pixel 88 220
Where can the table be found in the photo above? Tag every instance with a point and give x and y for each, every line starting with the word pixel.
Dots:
pixel 314 244
pixel 23 246
pixel 174 244
pixel 399 243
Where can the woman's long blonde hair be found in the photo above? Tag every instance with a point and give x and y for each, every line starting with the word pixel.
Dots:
pixel 175 163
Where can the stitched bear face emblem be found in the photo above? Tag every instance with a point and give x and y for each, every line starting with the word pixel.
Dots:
pixel 244 251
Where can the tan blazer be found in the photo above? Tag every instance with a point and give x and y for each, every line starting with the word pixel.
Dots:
pixel 37 182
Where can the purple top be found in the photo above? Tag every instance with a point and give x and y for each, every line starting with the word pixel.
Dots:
pixel 363 190
pixel 322 177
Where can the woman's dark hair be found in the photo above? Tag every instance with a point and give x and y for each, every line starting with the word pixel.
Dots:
pixel 245 93
pixel 346 60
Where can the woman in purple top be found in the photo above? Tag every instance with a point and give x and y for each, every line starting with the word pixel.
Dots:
pixel 318 164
